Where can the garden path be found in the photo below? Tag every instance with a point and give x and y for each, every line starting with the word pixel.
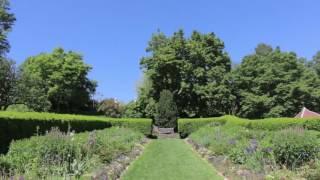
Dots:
pixel 170 159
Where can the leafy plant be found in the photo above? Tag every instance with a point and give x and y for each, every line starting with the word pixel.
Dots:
pixel 61 154
pixel 295 146
pixel 110 108
pixel 166 113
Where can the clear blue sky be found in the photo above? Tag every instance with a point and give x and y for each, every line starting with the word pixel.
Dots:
pixel 112 35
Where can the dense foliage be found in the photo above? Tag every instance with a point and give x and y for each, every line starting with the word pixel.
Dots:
pixel 7 19
pixel 293 147
pixel 272 83
pixel 267 83
pixel 264 152
pixel 196 69
pixel 110 108
pixel 7 83
pixel 192 68
pixel 132 110
pixel 7 68
pixel 60 154
pixel 56 82
pixel 188 126
pixel 166 111
pixel 25 125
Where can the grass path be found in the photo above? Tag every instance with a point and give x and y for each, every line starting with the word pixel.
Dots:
pixel 170 159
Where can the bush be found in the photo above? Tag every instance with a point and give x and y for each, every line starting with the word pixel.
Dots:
pixel 5 166
pixel 187 126
pixel 16 125
pixel 138 124
pixel 50 154
pixel 110 108
pixel 68 154
pixel 312 124
pixel 260 150
pixel 132 110
pixel 166 111
pixel 19 108
pixel 293 147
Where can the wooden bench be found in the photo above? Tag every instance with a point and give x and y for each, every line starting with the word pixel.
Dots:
pixel 163 132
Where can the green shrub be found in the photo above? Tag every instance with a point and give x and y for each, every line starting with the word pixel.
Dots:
pixel 187 126
pixel 19 108
pixel 293 147
pixel 166 111
pixel 258 149
pixel 138 124
pixel 52 154
pixel 18 125
pixel 312 124
pixel 5 166
pixel 237 155
pixel 68 154
pixel 111 108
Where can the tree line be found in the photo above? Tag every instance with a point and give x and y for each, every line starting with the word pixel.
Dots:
pixel 54 82
pixel 196 70
pixel 199 72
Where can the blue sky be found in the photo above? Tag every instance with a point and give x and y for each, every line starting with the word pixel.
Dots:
pixel 113 35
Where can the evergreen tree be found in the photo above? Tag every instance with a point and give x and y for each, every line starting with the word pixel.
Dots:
pixel 166 111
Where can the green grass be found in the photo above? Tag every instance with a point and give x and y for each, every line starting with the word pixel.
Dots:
pixel 170 159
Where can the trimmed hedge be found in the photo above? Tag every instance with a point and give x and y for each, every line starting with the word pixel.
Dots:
pixel 17 125
pixel 187 126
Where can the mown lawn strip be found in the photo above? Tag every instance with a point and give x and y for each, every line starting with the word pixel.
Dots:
pixel 167 159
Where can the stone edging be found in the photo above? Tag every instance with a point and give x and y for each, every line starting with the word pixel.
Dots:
pixel 115 169
pixel 227 169
pixel 203 152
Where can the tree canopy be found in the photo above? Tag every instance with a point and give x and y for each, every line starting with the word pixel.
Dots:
pixel 7 20
pixel 273 83
pixel 192 69
pixel 56 82
pixel 7 67
pixel 7 82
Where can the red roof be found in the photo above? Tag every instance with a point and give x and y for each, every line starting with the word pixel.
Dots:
pixel 306 113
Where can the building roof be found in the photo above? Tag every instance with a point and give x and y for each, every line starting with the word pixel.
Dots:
pixel 306 113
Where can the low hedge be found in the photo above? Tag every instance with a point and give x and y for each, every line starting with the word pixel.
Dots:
pixel 187 126
pixel 17 125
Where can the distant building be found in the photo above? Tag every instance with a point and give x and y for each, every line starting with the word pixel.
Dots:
pixel 306 113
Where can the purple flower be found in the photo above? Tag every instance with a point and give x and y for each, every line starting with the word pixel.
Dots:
pixel 267 150
pixel 232 142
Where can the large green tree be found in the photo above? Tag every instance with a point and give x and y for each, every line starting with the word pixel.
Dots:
pixel 6 22
pixel 273 83
pixel 315 63
pixel 56 82
pixel 7 68
pixel 7 83
pixel 194 69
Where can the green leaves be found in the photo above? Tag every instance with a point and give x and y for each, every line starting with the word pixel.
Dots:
pixel 166 111
pixel 58 81
pixel 7 82
pixel 187 67
pixel 272 83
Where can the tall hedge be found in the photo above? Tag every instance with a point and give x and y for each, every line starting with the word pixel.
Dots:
pixel 187 126
pixel 14 125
